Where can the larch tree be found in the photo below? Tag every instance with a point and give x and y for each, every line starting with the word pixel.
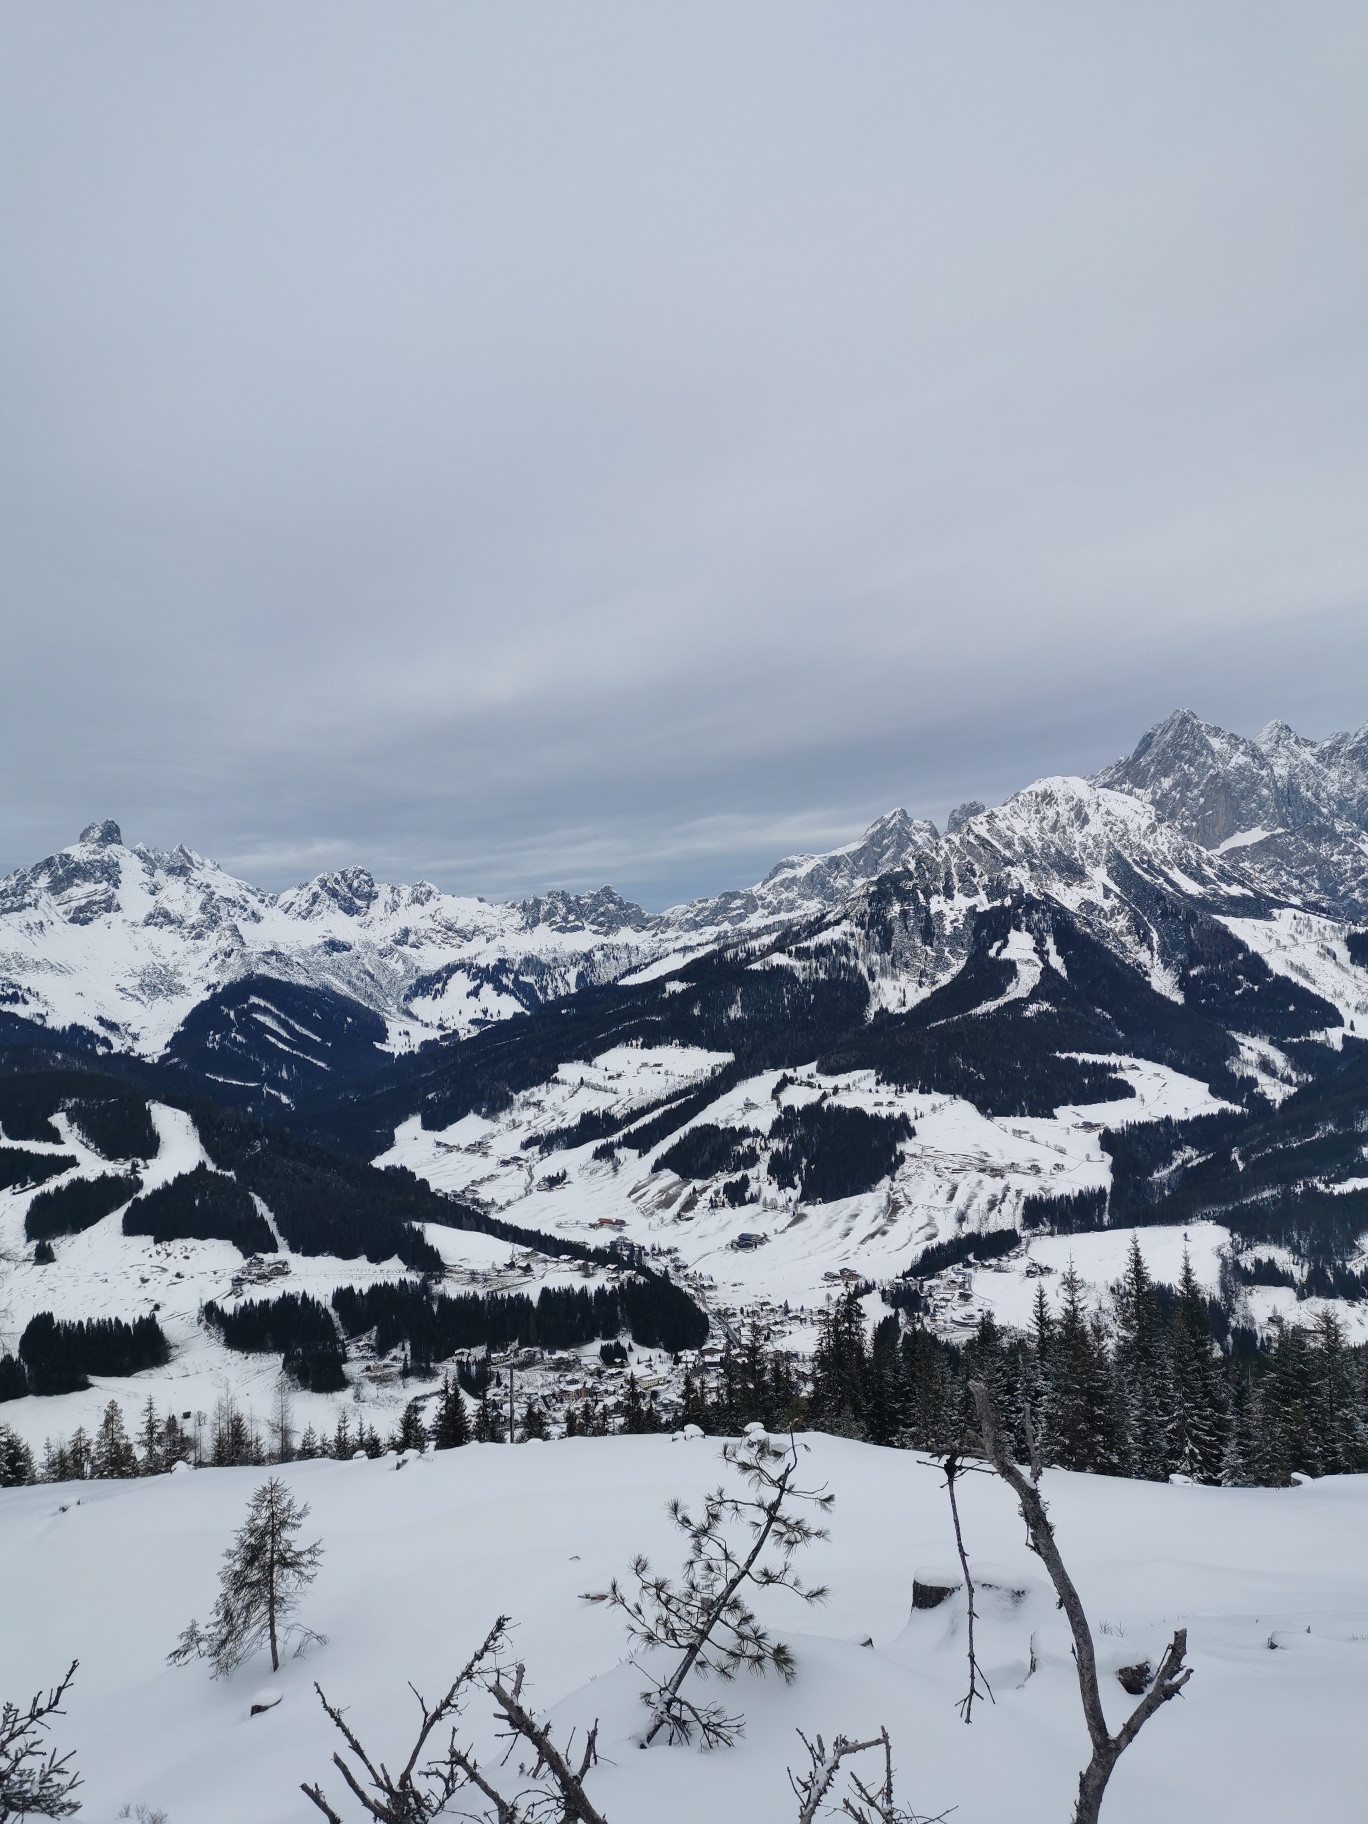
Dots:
pixel 264 1571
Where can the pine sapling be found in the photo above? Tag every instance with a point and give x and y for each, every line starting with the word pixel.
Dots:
pixel 264 1571
pixel 705 1617
pixel 35 1781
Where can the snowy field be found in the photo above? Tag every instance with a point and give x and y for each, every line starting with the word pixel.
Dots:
pixel 1271 1584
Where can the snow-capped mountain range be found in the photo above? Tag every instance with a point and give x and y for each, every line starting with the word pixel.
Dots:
pixel 127 941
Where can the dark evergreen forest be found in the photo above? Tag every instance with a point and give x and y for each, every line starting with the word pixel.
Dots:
pixel 21 1169
pixel 201 1206
pixel 294 1326
pixel 66 1209
pixel 59 1357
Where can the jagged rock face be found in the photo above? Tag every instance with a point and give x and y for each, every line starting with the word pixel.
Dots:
pixel 603 912
pixel 1210 784
pixel 1215 785
pixel 1296 810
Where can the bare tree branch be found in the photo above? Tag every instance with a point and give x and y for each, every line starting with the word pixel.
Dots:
pixel 1172 1675
pixel 870 1806
pixel 421 1792
pixel 418 1793
pixel 953 1465
pixel 575 1800
pixel 812 1787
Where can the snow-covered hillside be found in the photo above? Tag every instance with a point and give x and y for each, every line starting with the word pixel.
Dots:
pixel 418 1559
pixel 960 1173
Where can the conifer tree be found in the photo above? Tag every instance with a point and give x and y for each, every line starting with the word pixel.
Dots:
pixel 705 1617
pixel 16 1459
pixel 452 1427
pixel 638 1417
pixel 693 1405
pixel 178 1445
pixel 489 1427
pixel 264 1571
pixel 309 1445
pixel 1197 1424
pixel 932 1425
pixel 986 1360
pixel 839 1370
pixel 151 1442
pixel 534 1424
pixel 412 1433
pixel 1080 1406
pixel 36 1781
pixel 1337 1400
pixel 282 1421
pixel 113 1456
pixel 343 1443
pixel 590 1421
pixel 1143 1370
pixel 74 1459
pixel 1241 1457
pixel 235 1440
pixel 886 1405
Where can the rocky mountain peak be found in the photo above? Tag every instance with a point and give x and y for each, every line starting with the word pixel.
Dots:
pixel 962 814
pixel 106 835
pixel 604 911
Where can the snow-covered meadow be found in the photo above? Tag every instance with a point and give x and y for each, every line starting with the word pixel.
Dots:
pixel 1272 1586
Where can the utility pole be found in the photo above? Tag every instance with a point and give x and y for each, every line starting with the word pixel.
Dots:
pixel 512 1429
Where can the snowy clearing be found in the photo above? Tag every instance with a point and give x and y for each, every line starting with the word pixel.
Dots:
pixel 1271 1584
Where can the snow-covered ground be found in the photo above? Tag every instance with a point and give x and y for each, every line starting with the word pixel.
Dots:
pixel 962 1171
pixel 102 1272
pixel 1312 951
pixel 1272 1586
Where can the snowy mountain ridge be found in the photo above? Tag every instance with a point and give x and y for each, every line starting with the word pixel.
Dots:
pixel 127 942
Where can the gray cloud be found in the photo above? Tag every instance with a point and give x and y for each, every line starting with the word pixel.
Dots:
pixel 624 442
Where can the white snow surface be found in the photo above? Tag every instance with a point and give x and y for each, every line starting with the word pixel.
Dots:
pixel 1310 950
pixel 962 1171
pixel 1272 1586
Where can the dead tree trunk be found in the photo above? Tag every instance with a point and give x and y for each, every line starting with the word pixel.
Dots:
pixel 1172 1675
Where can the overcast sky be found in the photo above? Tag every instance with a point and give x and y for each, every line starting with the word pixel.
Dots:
pixel 526 446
